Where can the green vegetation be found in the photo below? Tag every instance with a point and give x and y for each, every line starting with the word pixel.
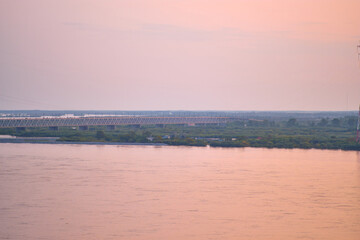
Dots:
pixel 325 133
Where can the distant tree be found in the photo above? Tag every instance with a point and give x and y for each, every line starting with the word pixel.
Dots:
pixel 324 122
pixel 128 137
pixel 146 133
pixel 131 136
pixel 335 122
pixel 291 122
pixel 351 122
pixel 100 135
pixel 267 123
pixel 157 139
pixel 228 139
pixel 311 124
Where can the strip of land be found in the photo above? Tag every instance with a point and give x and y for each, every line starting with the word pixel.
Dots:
pixel 325 133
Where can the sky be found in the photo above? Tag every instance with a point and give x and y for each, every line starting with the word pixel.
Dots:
pixel 179 54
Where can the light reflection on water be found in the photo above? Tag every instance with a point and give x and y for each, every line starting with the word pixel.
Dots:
pixel 146 192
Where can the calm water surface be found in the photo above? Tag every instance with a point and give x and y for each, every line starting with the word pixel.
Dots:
pixel 179 193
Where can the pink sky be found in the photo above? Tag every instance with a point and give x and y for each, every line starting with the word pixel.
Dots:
pixel 179 54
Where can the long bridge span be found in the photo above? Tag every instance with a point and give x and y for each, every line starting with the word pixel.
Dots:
pixel 109 121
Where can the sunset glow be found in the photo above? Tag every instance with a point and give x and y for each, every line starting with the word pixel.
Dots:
pixel 197 55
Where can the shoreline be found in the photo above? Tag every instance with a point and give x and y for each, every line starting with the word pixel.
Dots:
pixel 84 143
pixel 22 141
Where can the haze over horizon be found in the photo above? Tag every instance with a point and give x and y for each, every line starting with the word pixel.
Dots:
pixel 179 55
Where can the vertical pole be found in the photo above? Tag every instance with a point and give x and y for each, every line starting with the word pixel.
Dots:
pixel 358 123
pixel 358 128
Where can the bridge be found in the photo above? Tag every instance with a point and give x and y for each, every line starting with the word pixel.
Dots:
pixel 111 122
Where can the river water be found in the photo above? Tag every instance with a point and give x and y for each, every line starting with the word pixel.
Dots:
pixel 179 193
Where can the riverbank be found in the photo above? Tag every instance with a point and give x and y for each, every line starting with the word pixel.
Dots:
pixel 52 141
pixel 265 134
pixel 215 145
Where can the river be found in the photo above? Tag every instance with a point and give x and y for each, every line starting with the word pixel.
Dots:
pixel 64 192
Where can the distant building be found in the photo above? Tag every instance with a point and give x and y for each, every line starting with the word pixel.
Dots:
pixel 209 139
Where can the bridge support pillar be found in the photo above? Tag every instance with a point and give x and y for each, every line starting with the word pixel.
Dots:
pixel 83 128
pixel 110 127
pixel 20 129
pixel 160 125
pixel 54 128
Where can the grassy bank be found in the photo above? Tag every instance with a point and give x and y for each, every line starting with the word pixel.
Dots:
pixel 323 134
